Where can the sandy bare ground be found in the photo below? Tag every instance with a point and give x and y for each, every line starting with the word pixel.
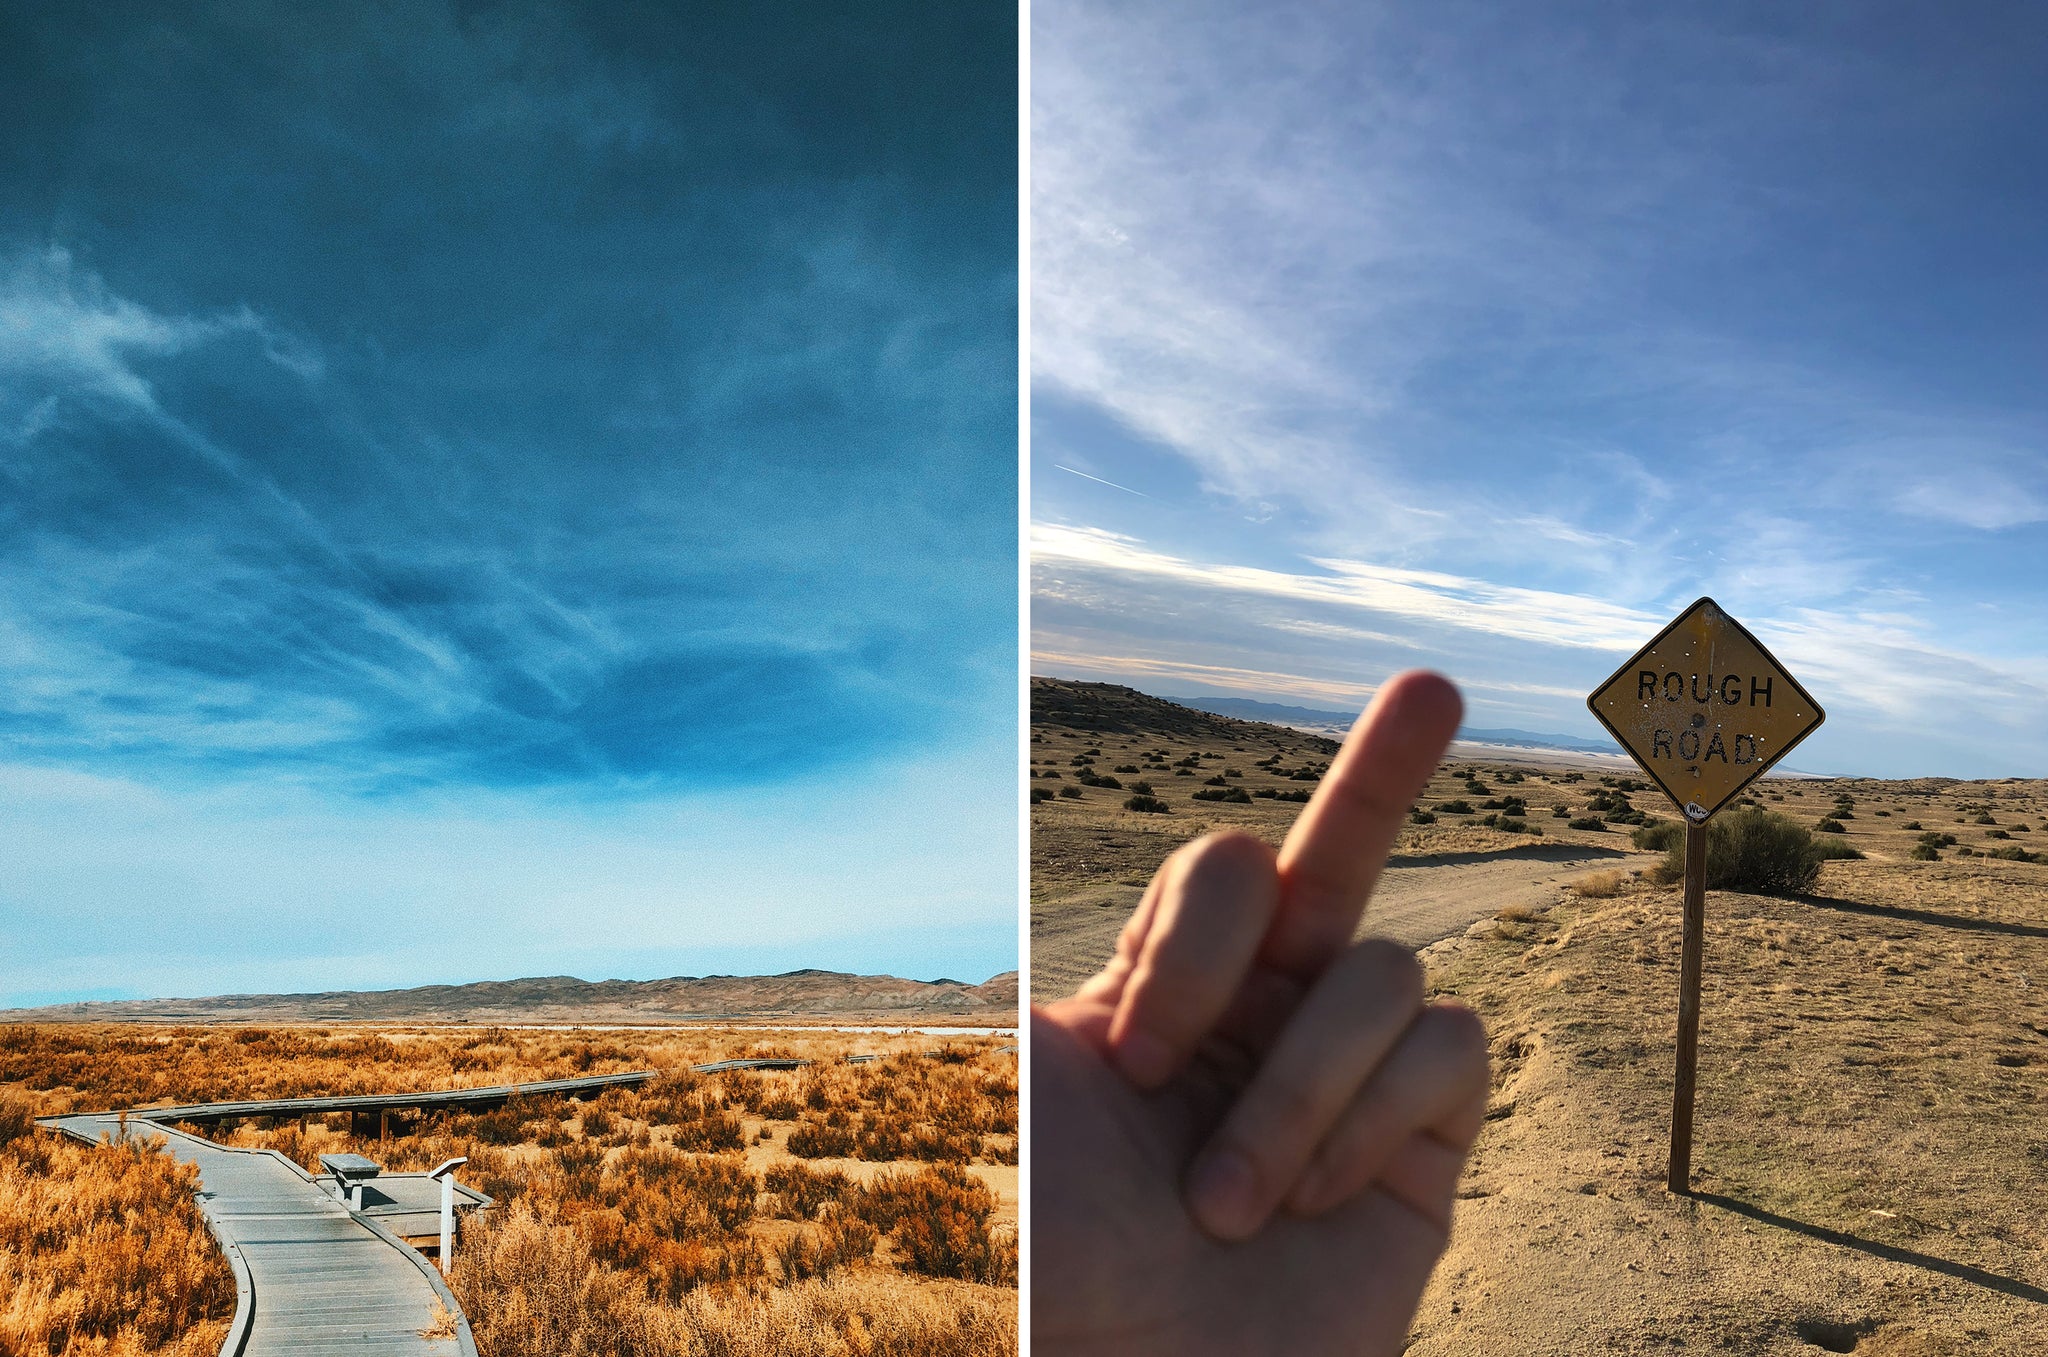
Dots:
pixel 1871 1136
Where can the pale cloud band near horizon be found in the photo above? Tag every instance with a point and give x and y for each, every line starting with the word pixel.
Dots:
pixel 1099 592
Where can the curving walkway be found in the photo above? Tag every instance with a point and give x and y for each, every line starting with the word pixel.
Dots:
pixel 309 1277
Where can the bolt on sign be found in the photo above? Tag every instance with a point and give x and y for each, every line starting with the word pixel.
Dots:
pixel 1705 709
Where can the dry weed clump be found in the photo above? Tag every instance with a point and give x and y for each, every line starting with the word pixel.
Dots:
pixel 1600 885
pixel 800 1190
pixel 939 1217
pixel 102 1250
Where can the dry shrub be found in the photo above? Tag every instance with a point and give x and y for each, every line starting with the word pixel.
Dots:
pixel 17 1118
pixel 103 1251
pixel 849 1240
pixel 939 1218
pixel 531 1287
pixel 711 1133
pixel 673 1096
pixel 743 1088
pixel 820 1139
pixel 1753 850
pixel 799 1190
pixel 843 1242
pixel 705 1196
pixel 694 1107
pixel 502 1125
pixel 1600 885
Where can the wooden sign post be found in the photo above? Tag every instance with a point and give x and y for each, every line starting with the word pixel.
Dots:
pixel 1678 1173
pixel 1703 709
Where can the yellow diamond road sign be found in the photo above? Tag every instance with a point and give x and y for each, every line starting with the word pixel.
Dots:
pixel 1705 709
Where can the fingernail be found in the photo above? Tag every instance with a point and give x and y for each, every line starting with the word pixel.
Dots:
pixel 1145 1060
pixel 1221 1192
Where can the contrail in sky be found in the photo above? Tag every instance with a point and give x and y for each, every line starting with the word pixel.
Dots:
pixel 1098 480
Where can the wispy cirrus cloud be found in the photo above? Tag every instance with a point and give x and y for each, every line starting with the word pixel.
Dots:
pixel 1107 604
pixel 1417 595
pixel 1978 492
pixel 231 619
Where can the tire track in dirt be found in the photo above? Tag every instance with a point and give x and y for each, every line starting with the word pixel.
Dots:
pixel 1419 900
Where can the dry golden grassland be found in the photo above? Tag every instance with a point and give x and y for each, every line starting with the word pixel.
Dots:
pixel 103 1252
pixel 833 1209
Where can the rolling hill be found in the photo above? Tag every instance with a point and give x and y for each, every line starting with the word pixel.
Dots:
pixel 801 995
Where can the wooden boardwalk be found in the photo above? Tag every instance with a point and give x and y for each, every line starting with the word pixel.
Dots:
pixel 468 1099
pixel 309 1277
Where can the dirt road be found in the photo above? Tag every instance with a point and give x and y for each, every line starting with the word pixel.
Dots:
pixel 1419 900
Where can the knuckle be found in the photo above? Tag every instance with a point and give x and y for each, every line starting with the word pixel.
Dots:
pixel 1227 857
pixel 1462 1038
pixel 1159 999
pixel 1293 1110
pixel 1390 971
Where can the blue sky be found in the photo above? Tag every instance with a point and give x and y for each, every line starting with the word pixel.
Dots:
pixel 533 475
pixel 1487 337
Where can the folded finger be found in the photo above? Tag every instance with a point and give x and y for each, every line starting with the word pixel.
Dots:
pixel 1343 1030
pixel 1335 851
pixel 1434 1082
pixel 1422 1176
pixel 1214 901
pixel 1106 986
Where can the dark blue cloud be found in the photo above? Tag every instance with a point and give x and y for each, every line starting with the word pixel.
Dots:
pixel 621 396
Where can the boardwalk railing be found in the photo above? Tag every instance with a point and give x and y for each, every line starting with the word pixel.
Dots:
pixel 466 1098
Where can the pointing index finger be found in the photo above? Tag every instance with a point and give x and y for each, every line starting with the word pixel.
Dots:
pixel 1335 851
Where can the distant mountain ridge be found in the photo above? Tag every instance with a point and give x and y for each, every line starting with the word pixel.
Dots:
pixel 1112 708
pixel 805 994
pixel 1275 713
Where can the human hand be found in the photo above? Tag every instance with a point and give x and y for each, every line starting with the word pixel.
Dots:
pixel 1247 1130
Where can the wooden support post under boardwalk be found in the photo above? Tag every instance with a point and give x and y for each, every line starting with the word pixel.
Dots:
pixel 1679 1179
